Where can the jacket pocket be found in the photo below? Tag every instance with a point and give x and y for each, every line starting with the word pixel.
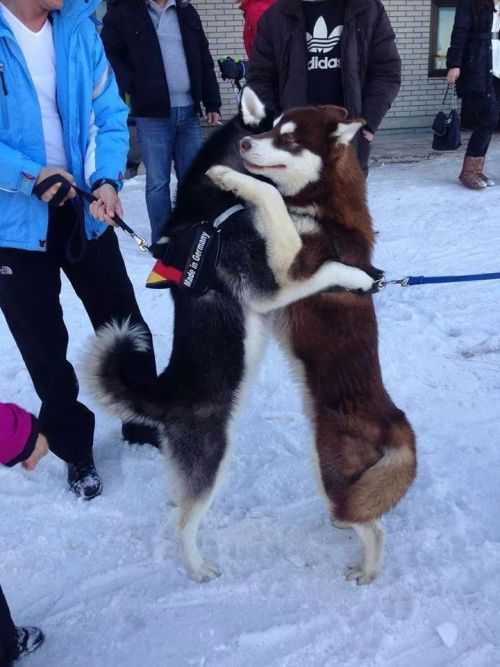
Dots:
pixel 4 111
pixel 14 224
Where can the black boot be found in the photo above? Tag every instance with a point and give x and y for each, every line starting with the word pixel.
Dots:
pixel 140 434
pixel 83 479
pixel 28 639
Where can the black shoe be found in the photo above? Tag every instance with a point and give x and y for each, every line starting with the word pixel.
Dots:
pixel 83 479
pixel 140 434
pixel 28 640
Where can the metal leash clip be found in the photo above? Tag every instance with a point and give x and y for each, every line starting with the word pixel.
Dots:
pixel 383 282
pixel 141 243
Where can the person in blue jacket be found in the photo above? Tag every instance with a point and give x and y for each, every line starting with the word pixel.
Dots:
pixel 61 114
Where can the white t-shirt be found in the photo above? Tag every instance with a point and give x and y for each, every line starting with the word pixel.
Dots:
pixel 496 42
pixel 39 53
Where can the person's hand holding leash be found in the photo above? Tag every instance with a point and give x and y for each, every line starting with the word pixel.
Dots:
pixel 51 192
pixel 107 205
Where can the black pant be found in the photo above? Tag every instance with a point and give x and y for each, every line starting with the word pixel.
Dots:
pixel 7 633
pixel 29 299
pixel 485 111
pixel 363 150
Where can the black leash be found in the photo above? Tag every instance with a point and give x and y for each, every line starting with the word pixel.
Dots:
pixel 77 242
pixel 172 269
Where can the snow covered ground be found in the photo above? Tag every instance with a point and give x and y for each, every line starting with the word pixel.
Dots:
pixel 105 579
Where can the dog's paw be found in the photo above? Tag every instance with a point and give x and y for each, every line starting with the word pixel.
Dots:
pixel 375 273
pixel 348 277
pixel 205 572
pixel 361 575
pixel 341 525
pixel 361 281
pixel 223 177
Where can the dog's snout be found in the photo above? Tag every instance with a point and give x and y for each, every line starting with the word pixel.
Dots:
pixel 246 144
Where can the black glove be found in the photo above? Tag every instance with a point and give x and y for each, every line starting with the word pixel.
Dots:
pixel 232 69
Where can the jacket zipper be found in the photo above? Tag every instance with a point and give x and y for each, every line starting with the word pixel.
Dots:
pixel 5 112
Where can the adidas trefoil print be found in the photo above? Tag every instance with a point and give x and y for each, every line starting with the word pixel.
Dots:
pixel 322 42
pixel 324 22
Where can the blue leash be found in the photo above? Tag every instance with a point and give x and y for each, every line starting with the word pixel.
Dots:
pixel 433 280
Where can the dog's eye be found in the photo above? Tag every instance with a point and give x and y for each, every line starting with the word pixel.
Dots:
pixel 288 138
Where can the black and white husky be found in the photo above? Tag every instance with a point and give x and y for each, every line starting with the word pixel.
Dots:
pixel 217 337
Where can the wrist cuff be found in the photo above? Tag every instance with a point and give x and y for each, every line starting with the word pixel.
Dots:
pixel 105 181
pixel 29 447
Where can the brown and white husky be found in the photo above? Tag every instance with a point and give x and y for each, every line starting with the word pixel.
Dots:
pixel 365 445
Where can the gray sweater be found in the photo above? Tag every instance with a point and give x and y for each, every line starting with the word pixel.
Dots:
pixel 172 50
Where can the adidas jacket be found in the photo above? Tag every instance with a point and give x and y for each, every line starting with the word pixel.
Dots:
pixel 371 67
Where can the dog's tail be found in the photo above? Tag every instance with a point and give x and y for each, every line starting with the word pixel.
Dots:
pixel 109 371
pixel 380 487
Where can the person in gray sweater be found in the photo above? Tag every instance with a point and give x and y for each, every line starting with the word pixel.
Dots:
pixel 161 58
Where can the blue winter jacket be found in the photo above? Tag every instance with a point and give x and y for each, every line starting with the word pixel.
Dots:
pixel 94 120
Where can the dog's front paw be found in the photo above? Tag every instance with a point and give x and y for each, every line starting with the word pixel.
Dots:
pixel 204 572
pixel 376 274
pixel 223 177
pixel 361 574
pixel 355 279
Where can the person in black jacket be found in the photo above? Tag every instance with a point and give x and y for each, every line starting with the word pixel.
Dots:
pixel 161 58
pixel 473 63
pixel 310 52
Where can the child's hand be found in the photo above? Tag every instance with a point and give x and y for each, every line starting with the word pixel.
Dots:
pixel 41 448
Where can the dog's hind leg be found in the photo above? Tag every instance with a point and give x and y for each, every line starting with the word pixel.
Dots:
pixel 372 539
pixel 198 455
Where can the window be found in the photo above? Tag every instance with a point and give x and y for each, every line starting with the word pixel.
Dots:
pixel 442 18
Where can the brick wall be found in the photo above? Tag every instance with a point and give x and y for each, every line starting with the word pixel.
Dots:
pixel 420 95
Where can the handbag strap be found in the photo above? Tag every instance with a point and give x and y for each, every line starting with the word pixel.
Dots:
pixel 453 96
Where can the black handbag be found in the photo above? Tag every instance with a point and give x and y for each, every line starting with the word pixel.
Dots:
pixel 446 126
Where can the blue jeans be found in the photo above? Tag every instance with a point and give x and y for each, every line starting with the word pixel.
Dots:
pixel 164 140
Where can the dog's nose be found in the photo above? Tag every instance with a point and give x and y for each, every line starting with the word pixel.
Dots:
pixel 246 144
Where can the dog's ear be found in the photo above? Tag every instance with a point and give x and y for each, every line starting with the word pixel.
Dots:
pixel 335 114
pixel 252 109
pixel 345 132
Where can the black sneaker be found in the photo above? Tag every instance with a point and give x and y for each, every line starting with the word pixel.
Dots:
pixel 140 434
pixel 83 479
pixel 28 640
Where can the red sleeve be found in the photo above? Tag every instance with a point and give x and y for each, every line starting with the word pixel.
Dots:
pixel 252 16
pixel 18 433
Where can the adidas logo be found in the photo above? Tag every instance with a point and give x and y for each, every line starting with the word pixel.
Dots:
pixel 320 41
pixel 323 63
